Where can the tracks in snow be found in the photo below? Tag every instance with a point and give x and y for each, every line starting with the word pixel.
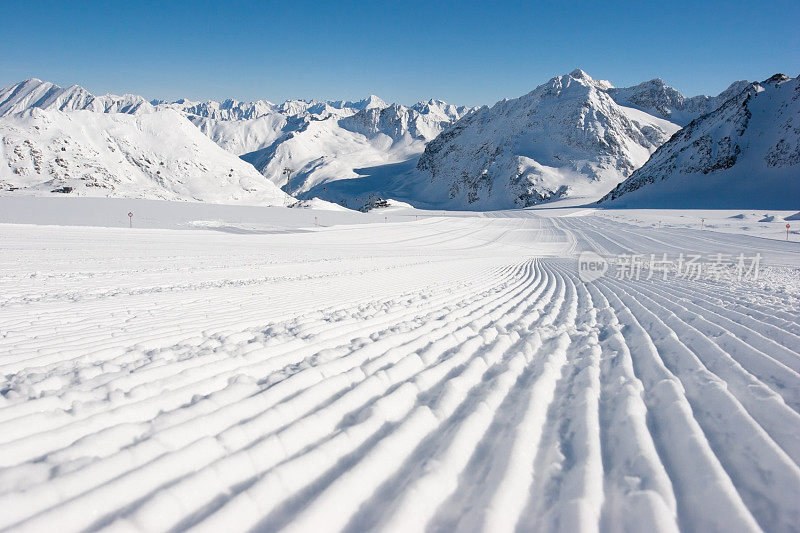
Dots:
pixel 497 394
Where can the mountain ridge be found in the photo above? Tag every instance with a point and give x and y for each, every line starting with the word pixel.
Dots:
pixel 657 98
pixel 746 153
pixel 573 136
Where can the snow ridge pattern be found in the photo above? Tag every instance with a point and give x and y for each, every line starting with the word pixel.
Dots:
pixel 450 374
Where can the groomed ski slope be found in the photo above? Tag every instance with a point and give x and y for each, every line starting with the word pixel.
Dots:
pixel 437 374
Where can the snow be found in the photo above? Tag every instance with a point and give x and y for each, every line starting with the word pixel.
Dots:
pixel 152 214
pixel 237 368
pixel 395 204
pixel 242 136
pixel 767 225
pixel 230 358
pixel 317 203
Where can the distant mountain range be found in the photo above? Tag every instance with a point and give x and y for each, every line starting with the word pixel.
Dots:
pixel 34 93
pixel 319 141
pixel 572 136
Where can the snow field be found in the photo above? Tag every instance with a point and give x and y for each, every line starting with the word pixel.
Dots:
pixel 441 374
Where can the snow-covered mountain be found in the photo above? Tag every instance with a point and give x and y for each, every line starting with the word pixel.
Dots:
pixel 318 140
pixel 35 93
pixel 322 148
pixel 659 99
pixel 226 110
pixel 421 121
pixel 157 155
pixel 744 154
pixel 239 127
pixel 244 127
pixel 568 137
pixel 243 136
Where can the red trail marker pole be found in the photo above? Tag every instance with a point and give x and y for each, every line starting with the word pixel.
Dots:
pixel 130 219
pixel 787 231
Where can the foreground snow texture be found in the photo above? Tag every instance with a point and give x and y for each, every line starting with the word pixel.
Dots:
pixel 444 373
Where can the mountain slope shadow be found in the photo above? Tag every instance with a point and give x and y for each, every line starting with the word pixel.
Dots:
pixel 391 180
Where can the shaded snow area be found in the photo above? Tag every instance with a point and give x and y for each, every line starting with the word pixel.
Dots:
pixel 391 371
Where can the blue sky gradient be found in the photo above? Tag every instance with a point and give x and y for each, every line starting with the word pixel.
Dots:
pixel 463 52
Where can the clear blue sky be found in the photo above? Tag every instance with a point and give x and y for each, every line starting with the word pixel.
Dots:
pixel 404 51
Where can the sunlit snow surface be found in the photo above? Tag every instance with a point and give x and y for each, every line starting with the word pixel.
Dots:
pixel 399 370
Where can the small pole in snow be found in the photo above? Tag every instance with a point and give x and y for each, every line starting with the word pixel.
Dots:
pixel 386 219
pixel 702 223
pixel 787 231
pixel 130 218
pixel 315 221
pixel 288 173
pixel 659 223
